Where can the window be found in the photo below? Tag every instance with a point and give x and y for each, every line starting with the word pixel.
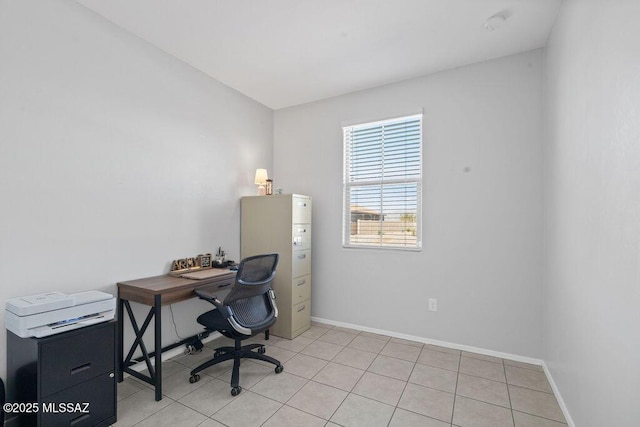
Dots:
pixel 383 184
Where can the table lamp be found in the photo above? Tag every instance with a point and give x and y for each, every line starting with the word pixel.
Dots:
pixel 260 180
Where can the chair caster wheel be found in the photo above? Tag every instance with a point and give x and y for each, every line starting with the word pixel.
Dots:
pixel 194 378
pixel 236 391
pixel 279 369
pixel 262 350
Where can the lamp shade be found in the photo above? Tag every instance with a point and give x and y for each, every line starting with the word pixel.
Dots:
pixel 261 177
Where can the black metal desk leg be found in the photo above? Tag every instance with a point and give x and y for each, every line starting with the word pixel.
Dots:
pixel 157 307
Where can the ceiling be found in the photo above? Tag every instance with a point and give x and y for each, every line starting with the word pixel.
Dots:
pixel 289 52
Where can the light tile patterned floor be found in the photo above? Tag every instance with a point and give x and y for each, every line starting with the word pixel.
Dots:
pixel 342 377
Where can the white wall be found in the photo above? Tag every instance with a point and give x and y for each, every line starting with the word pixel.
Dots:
pixel 115 158
pixel 592 211
pixel 482 243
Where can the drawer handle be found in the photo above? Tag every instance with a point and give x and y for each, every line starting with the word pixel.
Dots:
pixel 80 368
pixel 304 205
pixel 303 256
pixel 80 419
pixel 302 308
pixel 302 282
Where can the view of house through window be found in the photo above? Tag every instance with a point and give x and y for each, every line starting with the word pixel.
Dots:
pixel 382 183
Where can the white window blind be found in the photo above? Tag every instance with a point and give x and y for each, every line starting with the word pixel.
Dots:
pixel 383 184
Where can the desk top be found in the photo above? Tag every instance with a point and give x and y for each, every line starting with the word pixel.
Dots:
pixel 170 289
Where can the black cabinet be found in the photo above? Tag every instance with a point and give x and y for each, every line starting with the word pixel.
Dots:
pixel 69 378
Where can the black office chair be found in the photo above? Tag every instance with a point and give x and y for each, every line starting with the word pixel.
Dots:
pixel 248 310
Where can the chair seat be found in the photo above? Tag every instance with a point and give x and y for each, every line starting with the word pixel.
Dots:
pixel 213 320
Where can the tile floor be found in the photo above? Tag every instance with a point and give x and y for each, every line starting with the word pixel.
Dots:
pixel 342 377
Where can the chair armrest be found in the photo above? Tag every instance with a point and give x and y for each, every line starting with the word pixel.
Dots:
pixel 224 310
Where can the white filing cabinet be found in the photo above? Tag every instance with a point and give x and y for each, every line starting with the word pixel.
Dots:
pixel 282 224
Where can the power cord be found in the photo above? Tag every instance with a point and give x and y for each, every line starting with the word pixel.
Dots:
pixel 193 347
pixel 173 320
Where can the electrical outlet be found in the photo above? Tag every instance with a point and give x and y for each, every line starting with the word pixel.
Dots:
pixel 433 304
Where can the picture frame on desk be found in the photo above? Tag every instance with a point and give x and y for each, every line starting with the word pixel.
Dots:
pixel 205 261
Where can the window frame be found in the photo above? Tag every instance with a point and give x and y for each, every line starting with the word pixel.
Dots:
pixel 382 183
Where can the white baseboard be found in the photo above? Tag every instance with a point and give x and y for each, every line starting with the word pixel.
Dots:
pixel 563 407
pixel 455 346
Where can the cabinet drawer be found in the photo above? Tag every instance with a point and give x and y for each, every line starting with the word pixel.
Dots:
pixel 301 315
pixel 301 210
pixel 301 263
pixel 68 361
pixel 300 289
pixel 98 392
pixel 301 236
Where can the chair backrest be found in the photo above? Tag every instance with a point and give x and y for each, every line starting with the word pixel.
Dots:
pixel 249 298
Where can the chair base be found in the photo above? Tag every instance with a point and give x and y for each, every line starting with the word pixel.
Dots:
pixel 236 353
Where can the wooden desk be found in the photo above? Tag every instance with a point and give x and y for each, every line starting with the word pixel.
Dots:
pixel 156 292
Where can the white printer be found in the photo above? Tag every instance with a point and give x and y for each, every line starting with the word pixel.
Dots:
pixel 54 312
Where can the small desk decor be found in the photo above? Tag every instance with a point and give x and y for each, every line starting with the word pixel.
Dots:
pixel 188 265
